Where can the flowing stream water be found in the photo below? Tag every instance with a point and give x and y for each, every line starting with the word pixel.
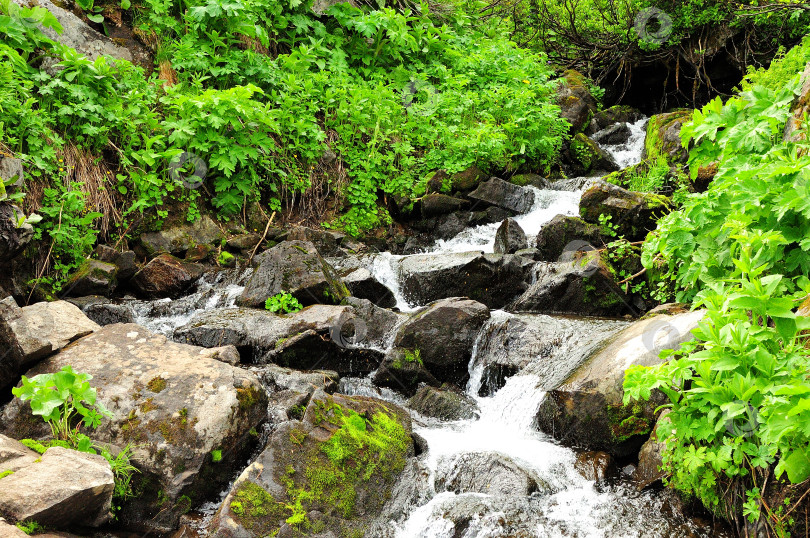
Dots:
pixel 542 350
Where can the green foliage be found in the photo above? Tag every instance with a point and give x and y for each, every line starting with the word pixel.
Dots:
pixel 739 394
pixel 216 456
pixel 282 302
pixel 6 473
pixel 30 527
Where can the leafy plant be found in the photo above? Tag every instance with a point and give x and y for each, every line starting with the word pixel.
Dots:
pixel 282 302
pixel 30 527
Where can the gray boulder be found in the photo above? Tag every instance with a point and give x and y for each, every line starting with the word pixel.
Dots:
pixel 492 473
pixel 362 284
pixel 492 279
pixel 587 410
pixel 165 276
pixel 176 240
pixel 510 238
pixel 650 457
pixel 634 214
pixel 61 489
pixel 93 277
pixel 125 261
pixel 173 403
pixel 575 100
pixel 13 238
pixel 294 267
pixel 443 403
pixel 565 232
pixel 505 195
pixel 403 370
pixel 444 333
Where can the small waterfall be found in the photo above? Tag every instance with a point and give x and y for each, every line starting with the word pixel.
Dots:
pixel 629 153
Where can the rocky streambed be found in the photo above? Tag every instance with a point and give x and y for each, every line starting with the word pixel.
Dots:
pixel 455 392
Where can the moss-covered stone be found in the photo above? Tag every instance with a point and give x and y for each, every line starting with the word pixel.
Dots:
pixel 663 137
pixel 589 155
pixel 93 277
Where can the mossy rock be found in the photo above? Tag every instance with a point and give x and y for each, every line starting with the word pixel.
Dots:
pixel 331 471
pixel 529 180
pixel 631 214
pixel 664 137
pixel 93 277
pixel 589 155
pixel 467 179
pixel 575 101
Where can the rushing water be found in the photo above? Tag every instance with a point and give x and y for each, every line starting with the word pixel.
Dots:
pixel 536 352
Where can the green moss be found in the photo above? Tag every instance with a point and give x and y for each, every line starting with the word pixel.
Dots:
pixel 156 384
pixel 254 506
pixel 627 421
pixel 148 405
pixel 183 504
pixel 248 397
pixel 6 473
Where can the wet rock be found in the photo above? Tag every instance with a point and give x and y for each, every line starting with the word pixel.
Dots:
pixel 443 333
pixel 317 337
pixel 505 195
pixel 529 180
pixel 176 240
pixel 583 286
pixel 78 35
pixel 664 137
pixel 165 276
pixel 297 268
pixel 650 457
pixel 12 238
pixel 376 324
pixel 467 179
pixel 109 313
pixel 618 133
pixel 594 465
pixel 362 284
pixel 613 115
pixel 277 378
pixel 492 473
pixel 634 214
pixel 93 277
pixel 440 204
pixel 125 261
pixel 326 243
pixel 587 410
pixel 30 334
pixel 589 156
pixel 12 172
pixel 564 231
pixel 227 354
pixel 172 403
pixel 403 371
pixel 493 279
pixel 297 459
pixel 63 488
pixel 443 403
pixel 510 238
pixel 575 101
pixel 549 348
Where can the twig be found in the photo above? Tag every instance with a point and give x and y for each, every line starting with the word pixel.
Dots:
pixel 264 235
pixel 631 277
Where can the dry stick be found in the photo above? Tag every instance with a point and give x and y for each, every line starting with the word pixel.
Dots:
pixel 631 277
pixel 266 229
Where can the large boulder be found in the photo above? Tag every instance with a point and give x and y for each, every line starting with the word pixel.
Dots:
pixel 61 489
pixel 443 403
pixel 436 204
pixel 650 457
pixel 510 238
pixel 125 262
pixel 467 179
pixel 326 243
pixel 505 195
pixel 618 133
pixel 294 267
pixel 13 238
pixel 582 284
pixel 614 115
pixel 664 137
pixel 587 410
pixel 633 214
pixel 317 337
pixel 177 240
pixel 565 232
pixel 31 333
pixel 333 471
pixel 165 276
pixel 174 405
pixel 93 277
pixel 491 473
pixel 403 370
pixel 575 101
pixel 444 333
pixel 493 279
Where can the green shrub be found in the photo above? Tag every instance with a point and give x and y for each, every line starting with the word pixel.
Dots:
pixel 282 302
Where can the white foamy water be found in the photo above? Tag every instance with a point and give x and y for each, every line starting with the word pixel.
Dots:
pixel 629 153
